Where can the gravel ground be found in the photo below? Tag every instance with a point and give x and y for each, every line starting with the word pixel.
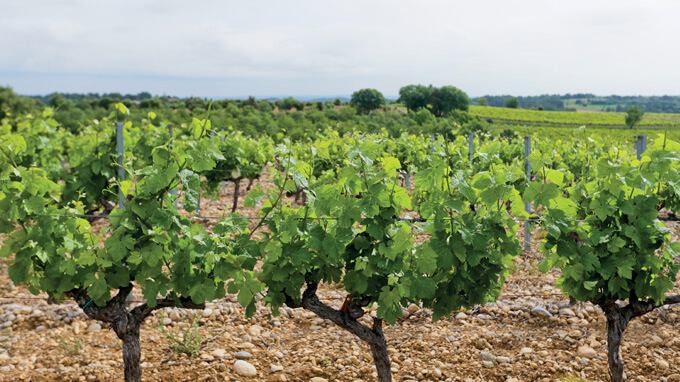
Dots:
pixel 530 334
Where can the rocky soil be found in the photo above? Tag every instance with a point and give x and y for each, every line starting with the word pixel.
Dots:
pixel 530 334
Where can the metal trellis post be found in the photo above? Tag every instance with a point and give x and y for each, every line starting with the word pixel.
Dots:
pixel 527 206
pixel 121 171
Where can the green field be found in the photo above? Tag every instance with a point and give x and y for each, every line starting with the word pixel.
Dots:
pixel 523 116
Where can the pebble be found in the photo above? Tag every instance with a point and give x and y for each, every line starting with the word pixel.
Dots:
pixel 167 321
pixel 663 364
pixel 573 320
pixel 93 328
pixel 275 368
pixel 175 316
pixel 567 312
pixel 486 356
pixel 278 354
pixel 503 359
pixel 245 369
pixel 207 312
pixel 461 316
pixel 487 364
pixel 219 353
pixel 243 355
pixel 40 329
pixel 255 330
pixel 437 373
pixel 526 351
pixel 541 312
pixel 318 379
pixel 6 324
pixel 586 352
pixel 413 308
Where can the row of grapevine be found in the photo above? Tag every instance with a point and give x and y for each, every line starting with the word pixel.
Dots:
pixel 350 231
pixel 570 118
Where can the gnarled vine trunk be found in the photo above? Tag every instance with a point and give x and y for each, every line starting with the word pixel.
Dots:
pixel 127 323
pixel 348 320
pixel 617 321
pixel 129 334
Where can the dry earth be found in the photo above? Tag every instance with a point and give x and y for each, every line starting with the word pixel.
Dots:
pixel 530 334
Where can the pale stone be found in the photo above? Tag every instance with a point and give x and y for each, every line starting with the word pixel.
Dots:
pixel 541 312
pixel 586 352
pixel 486 356
pixel 255 330
pixel 437 373
pixel 219 353
pixel 413 308
pixel 663 364
pixel 275 368
pixel 245 369
pixel 174 315
pixel 526 351
pixel 94 328
pixel 567 312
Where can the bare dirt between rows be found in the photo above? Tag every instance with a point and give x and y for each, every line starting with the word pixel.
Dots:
pixel 503 341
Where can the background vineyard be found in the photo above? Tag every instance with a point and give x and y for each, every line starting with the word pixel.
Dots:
pixel 67 174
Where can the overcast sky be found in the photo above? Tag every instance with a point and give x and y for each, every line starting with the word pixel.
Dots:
pixel 316 47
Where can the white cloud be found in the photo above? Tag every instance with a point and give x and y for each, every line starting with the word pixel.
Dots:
pixel 526 47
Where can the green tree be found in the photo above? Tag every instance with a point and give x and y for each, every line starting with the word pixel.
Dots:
pixel 415 97
pixel 289 103
pixel 512 103
pixel 633 116
pixel 365 100
pixel 447 99
pixel 482 102
pixel 10 102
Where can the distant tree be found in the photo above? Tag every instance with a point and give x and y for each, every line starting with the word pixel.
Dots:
pixel 57 101
pixel 365 100
pixel 264 106
pixel 150 103
pixel 288 103
pixel 447 99
pixel 633 116
pixel 423 117
pixel 10 102
pixel 105 102
pixel 482 102
pixel 337 102
pixel 512 103
pixel 415 97
pixel 194 103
